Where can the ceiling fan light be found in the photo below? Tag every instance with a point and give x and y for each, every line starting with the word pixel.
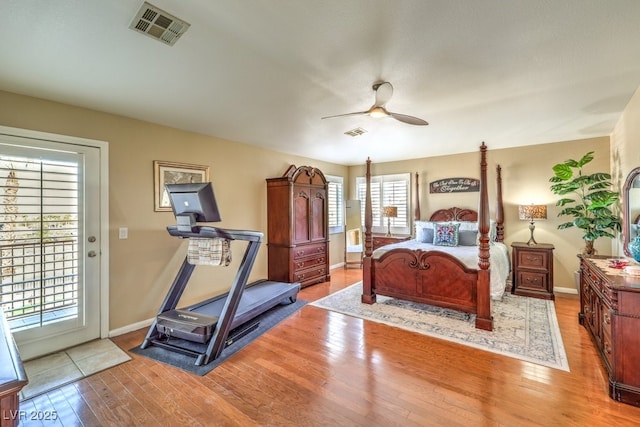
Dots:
pixel 383 91
pixel 378 112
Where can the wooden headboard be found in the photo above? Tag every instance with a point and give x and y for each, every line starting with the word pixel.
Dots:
pixel 457 214
pixel 454 214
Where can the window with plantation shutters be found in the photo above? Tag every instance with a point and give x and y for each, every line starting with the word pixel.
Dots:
pixel 38 240
pixel 387 190
pixel 336 204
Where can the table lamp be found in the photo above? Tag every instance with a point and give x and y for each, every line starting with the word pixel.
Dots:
pixel 389 212
pixel 531 213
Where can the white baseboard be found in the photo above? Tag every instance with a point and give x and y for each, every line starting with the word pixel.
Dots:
pixel 338 265
pixel 566 290
pixel 131 328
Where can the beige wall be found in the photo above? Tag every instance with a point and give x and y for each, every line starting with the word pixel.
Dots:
pixel 625 148
pixel 143 266
pixel 525 175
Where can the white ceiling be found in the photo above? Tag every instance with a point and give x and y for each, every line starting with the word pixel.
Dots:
pixel 510 73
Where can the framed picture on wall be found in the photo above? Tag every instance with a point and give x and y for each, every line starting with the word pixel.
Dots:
pixel 174 173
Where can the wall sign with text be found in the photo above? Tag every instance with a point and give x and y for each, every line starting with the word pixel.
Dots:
pixel 454 185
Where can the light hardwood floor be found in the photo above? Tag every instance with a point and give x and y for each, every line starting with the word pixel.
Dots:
pixel 319 368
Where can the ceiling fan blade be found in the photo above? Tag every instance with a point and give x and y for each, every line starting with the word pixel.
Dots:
pixel 347 114
pixel 384 91
pixel 408 119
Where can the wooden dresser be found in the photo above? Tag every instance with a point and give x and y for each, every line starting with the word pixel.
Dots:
pixel 12 378
pixel 610 310
pixel 532 270
pixel 298 227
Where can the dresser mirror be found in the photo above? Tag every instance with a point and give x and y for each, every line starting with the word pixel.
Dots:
pixel 354 244
pixel 631 208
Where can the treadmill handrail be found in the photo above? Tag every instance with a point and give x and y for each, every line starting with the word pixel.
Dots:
pixel 211 232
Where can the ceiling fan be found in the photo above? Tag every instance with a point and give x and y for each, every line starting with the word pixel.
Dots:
pixel 383 91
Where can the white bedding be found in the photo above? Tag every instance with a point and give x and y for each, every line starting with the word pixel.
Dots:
pixel 468 255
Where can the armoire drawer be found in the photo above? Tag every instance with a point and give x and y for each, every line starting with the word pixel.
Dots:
pixel 317 272
pixel 309 250
pixel 303 264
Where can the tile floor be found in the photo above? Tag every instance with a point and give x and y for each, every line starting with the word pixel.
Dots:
pixel 55 370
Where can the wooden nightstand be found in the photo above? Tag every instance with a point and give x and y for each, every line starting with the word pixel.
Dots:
pixel 381 240
pixel 532 270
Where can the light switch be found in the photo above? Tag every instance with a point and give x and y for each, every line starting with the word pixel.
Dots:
pixel 123 233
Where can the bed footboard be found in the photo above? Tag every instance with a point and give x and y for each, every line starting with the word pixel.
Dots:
pixel 428 277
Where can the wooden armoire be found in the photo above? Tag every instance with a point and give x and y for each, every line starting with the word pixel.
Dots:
pixel 298 226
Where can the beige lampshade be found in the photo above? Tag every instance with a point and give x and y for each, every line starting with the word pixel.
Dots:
pixel 531 212
pixel 390 212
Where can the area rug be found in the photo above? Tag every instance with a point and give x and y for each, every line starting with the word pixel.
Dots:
pixel 55 370
pixel 524 328
pixel 267 320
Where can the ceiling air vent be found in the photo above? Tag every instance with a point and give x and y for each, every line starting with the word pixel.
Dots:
pixel 158 24
pixel 355 132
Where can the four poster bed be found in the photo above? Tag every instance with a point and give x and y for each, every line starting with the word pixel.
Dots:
pixel 451 276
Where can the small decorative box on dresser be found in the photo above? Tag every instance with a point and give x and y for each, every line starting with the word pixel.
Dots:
pixel 532 270
pixel 610 310
pixel 298 227
pixel 381 240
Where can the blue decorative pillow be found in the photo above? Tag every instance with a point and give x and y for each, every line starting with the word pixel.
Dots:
pixel 467 238
pixel 446 234
pixel 424 231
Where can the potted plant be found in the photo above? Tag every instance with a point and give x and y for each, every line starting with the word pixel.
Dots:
pixel 591 207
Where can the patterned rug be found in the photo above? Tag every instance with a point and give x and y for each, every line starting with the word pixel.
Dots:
pixel 524 328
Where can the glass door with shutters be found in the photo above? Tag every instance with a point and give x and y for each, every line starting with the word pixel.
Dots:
pixel 49 286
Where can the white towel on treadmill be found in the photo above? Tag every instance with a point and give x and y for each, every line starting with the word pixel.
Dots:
pixel 209 251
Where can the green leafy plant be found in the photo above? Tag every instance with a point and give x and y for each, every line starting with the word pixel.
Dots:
pixel 591 207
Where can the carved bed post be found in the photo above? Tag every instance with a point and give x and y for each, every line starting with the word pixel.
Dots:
pixel 499 208
pixel 368 296
pixel 483 315
pixel 416 213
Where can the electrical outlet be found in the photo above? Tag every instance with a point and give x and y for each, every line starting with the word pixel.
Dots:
pixel 123 233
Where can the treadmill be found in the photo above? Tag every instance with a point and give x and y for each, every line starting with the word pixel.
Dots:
pixel 232 314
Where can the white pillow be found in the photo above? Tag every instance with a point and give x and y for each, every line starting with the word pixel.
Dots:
pixel 468 226
pixel 427 224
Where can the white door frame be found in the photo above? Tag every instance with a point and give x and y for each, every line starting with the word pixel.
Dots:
pixel 103 146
